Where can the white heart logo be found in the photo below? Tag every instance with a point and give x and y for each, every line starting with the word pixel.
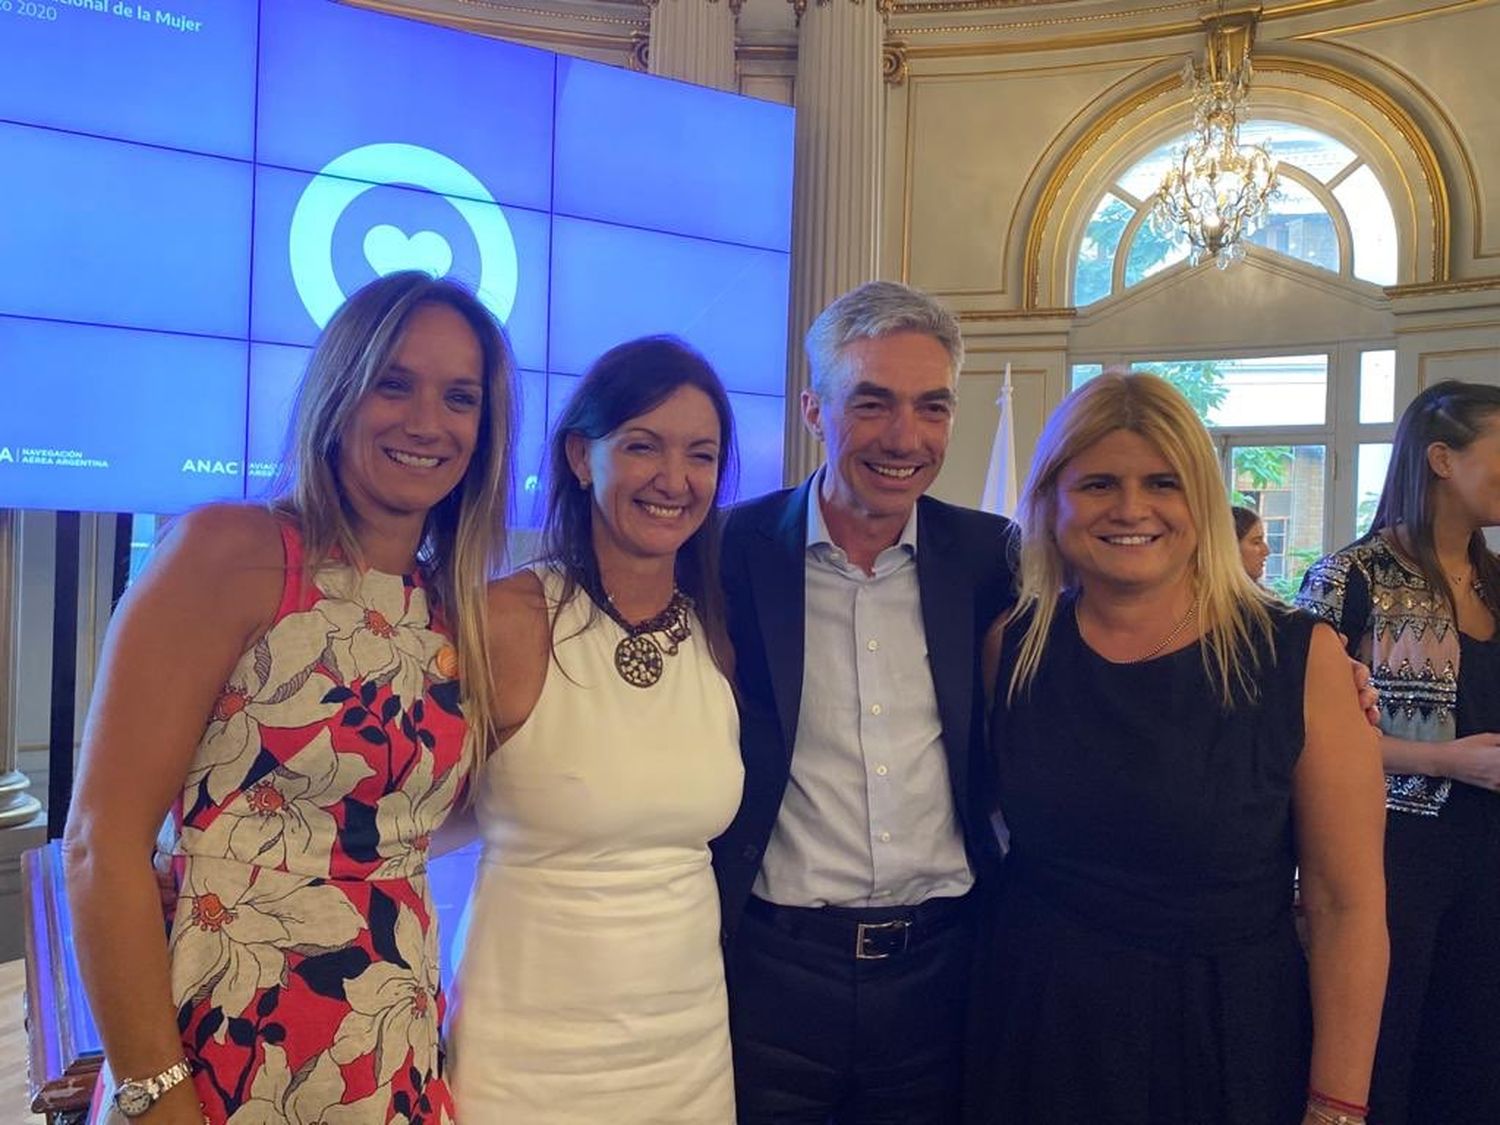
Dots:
pixel 388 249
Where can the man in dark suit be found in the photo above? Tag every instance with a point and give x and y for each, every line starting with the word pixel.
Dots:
pixel 857 606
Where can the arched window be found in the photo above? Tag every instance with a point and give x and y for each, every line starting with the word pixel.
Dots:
pixel 1331 212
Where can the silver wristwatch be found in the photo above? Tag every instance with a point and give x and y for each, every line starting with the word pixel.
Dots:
pixel 135 1096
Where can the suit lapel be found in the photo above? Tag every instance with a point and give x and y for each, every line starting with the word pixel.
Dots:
pixel 948 621
pixel 777 574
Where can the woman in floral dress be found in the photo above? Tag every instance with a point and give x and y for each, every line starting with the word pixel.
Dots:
pixel 285 680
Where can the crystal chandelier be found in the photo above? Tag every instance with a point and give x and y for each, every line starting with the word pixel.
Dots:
pixel 1217 191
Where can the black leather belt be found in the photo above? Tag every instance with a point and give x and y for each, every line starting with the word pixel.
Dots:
pixel 869 933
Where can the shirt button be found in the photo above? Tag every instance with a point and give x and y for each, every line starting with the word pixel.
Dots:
pixel 872 645
pixel 874 708
pixel 885 837
pixel 881 771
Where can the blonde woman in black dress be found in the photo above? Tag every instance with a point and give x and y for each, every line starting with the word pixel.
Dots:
pixel 1171 744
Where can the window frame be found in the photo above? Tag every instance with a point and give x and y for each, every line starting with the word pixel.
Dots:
pixel 1321 190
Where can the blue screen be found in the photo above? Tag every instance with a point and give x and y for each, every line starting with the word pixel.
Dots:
pixel 186 195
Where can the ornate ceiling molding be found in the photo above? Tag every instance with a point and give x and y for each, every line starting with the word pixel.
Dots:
pixel 554 28
pixel 1444 288
pixel 1094 24
pixel 1116 11
pixel 478 14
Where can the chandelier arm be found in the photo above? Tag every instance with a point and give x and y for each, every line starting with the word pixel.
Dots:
pixel 1218 191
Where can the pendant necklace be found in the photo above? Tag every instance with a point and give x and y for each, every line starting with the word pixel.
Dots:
pixel 640 655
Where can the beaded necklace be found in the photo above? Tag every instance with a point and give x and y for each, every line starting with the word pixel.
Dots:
pixel 640 655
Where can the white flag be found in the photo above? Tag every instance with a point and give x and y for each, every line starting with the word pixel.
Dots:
pixel 1000 481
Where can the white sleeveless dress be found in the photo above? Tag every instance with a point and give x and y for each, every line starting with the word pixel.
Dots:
pixel 591 985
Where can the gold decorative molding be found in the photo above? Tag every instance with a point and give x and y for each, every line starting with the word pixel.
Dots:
pixel 800 6
pixel 917 7
pixel 766 52
pixel 487 23
pixel 1383 21
pixel 1059 313
pixel 533 34
pixel 1007 43
pixel 1177 19
pixel 893 63
pixel 1443 288
pixel 1063 171
pixel 1460 152
pixel 948 7
pixel 1122 11
pixel 640 51
pixel 1427 157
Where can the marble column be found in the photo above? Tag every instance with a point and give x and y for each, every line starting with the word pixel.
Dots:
pixel 840 101
pixel 17 806
pixel 693 40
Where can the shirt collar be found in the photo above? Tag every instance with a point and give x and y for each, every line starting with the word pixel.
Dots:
pixel 817 530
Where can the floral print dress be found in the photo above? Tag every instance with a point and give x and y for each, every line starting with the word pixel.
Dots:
pixel 304 944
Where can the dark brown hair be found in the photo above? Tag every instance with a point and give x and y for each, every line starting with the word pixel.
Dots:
pixel 1454 414
pixel 627 381
pixel 1244 520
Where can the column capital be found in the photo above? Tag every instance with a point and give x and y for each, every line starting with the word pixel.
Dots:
pixel 882 6
pixel 640 50
pixel 734 5
pixel 692 41
pixel 893 63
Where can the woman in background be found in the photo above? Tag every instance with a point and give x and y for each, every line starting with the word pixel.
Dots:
pixel 1417 599
pixel 591 986
pixel 1170 745
pixel 284 679
pixel 1251 535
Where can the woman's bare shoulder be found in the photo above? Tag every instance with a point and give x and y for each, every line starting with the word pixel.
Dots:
pixel 520 646
pixel 518 595
pixel 519 616
pixel 228 537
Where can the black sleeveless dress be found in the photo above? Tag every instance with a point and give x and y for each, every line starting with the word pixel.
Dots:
pixel 1438 1060
pixel 1142 966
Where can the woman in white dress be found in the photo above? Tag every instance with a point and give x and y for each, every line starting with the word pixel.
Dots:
pixel 591 986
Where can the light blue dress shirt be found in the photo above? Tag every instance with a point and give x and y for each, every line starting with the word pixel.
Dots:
pixel 868 816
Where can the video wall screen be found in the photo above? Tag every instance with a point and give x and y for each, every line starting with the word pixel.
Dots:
pixel 188 191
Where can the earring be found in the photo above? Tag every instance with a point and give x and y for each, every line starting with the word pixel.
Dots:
pixel 584 483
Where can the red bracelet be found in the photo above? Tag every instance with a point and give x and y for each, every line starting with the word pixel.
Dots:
pixel 1336 1103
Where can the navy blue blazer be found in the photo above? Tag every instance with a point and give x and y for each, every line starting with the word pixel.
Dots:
pixel 965 582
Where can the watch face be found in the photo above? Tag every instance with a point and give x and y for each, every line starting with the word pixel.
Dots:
pixel 133 1099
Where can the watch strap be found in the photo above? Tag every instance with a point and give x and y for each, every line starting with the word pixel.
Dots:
pixel 158 1084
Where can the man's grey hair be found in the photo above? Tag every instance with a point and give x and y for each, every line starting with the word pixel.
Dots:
pixel 876 308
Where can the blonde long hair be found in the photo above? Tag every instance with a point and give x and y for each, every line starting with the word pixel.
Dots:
pixel 463 542
pixel 1232 610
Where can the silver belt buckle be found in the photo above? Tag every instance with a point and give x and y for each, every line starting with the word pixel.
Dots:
pixel 870 939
